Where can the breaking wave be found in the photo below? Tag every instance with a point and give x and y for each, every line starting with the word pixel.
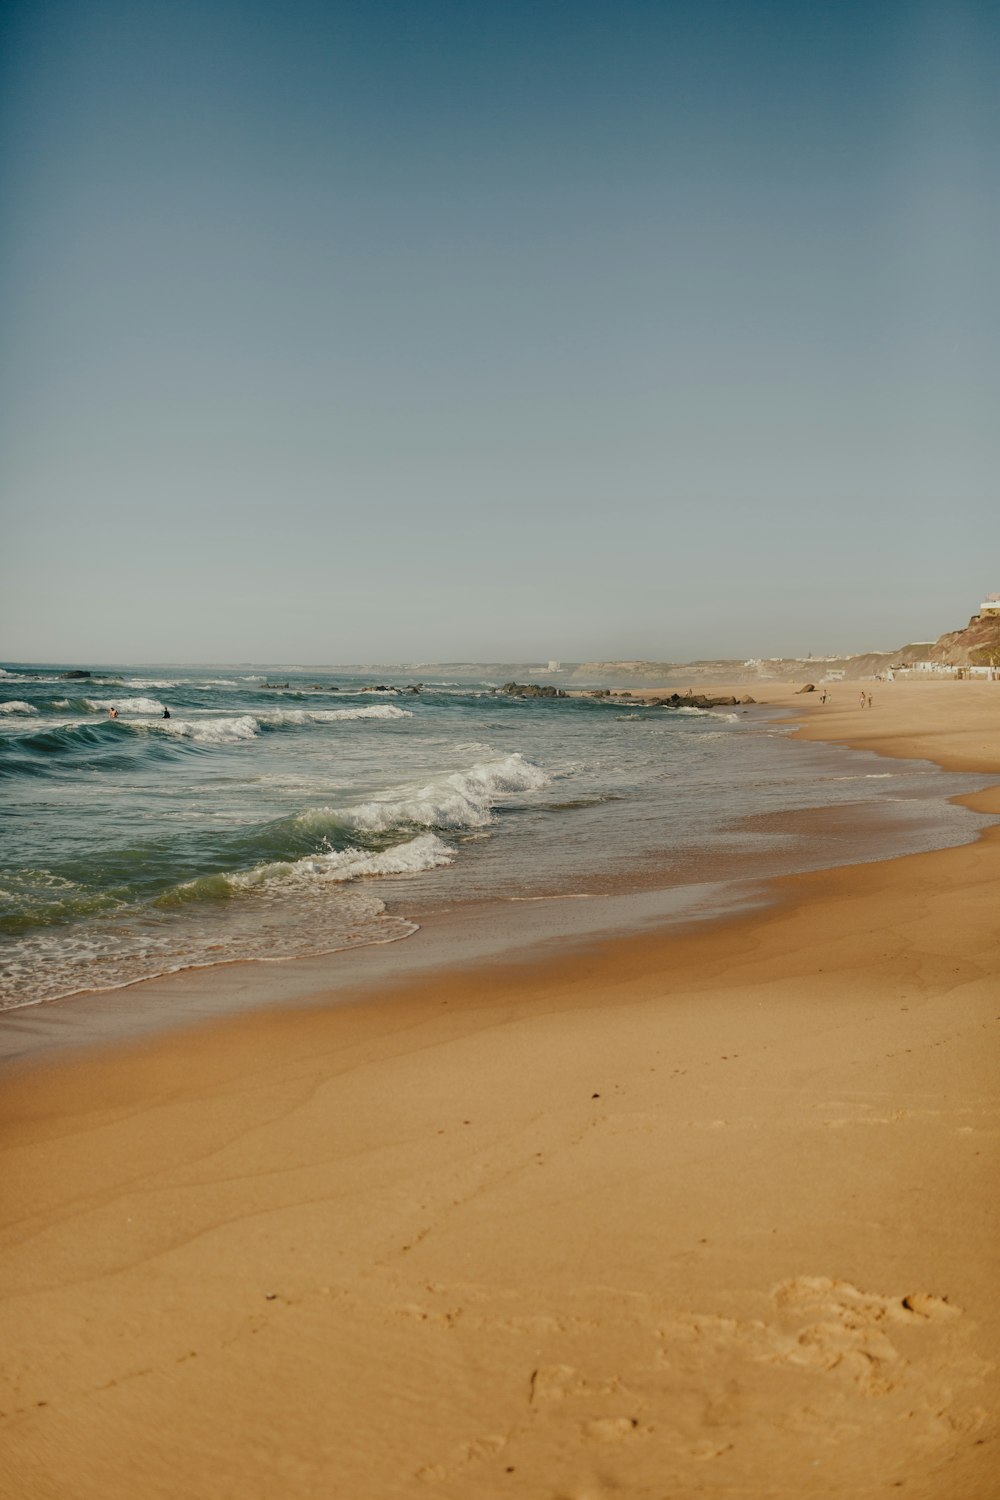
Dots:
pixel 709 713
pixel 207 731
pixel 125 705
pixel 331 715
pixel 455 800
pixel 226 731
pixel 338 866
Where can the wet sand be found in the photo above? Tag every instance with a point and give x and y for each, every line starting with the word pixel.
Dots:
pixel 707 1211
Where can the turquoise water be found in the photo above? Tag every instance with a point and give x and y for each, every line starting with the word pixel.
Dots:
pixel 267 821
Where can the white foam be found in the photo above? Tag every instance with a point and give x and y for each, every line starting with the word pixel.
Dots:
pixel 870 776
pixel 150 682
pixel 49 724
pixel 330 715
pixel 709 713
pixel 104 956
pixel 208 731
pixel 15 706
pixel 125 705
pixel 458 799
pixel 426 852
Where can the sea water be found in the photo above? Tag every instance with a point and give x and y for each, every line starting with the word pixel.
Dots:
pixel 317 811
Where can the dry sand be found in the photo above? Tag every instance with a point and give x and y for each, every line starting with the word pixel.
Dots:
pixel 709 1213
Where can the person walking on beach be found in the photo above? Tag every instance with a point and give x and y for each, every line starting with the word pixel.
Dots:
pixel 869 700
pixel 823 696
pixel 862 700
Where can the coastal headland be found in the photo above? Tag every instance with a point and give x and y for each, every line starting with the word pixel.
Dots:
pixel 692 1212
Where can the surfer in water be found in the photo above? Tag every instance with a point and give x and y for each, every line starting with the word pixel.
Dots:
pixel 166 713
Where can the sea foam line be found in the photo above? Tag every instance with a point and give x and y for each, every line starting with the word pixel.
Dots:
pixel 332 715
pixel 248 726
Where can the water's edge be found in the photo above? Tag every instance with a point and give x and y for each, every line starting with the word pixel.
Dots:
pixel 462 935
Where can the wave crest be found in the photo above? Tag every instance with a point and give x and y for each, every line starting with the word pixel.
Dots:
pixel 208 731
pixel 125 705
pixel 458 799
pixel 330 715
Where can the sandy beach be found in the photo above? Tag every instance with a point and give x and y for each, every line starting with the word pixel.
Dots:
pixel 703 1212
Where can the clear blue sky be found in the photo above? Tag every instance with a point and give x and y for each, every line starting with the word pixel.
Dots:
pixel 410 331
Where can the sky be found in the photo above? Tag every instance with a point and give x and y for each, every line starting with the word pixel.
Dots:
pixel 414 330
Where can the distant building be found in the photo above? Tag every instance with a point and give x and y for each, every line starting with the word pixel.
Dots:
pixel 990 605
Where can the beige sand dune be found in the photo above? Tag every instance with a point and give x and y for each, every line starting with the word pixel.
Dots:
pixel 701 1213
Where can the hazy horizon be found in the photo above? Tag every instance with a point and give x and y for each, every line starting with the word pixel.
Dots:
pixel 646 331
pixel 302 665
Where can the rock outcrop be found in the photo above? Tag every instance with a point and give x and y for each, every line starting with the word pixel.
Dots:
pixel 531 690
pixel 698 700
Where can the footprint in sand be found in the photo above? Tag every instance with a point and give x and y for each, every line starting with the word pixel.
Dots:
pixel 927 1306
pixel 868 1307
pixel 554 1383
pixel 612 1429
pixel 823 1325
pixel 852 1329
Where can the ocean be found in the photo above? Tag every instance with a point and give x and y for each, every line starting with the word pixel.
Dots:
pixel 315 811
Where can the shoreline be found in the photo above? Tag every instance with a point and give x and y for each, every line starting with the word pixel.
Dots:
pixel 687 1211
pixel 481 930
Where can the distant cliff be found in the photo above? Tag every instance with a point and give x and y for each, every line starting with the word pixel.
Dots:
pixel 768 669
pixel 978 645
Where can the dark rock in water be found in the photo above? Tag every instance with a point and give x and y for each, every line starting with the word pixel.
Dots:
pixel 380 687
pixel 74 676
pixel 275 684
pixel 697 700
pixel 532 690
pixel 810 687
pixel 599 693
pixel 414 687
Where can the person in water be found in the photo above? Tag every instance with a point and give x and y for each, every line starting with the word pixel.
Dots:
pixel 112 713
pixel 166 713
